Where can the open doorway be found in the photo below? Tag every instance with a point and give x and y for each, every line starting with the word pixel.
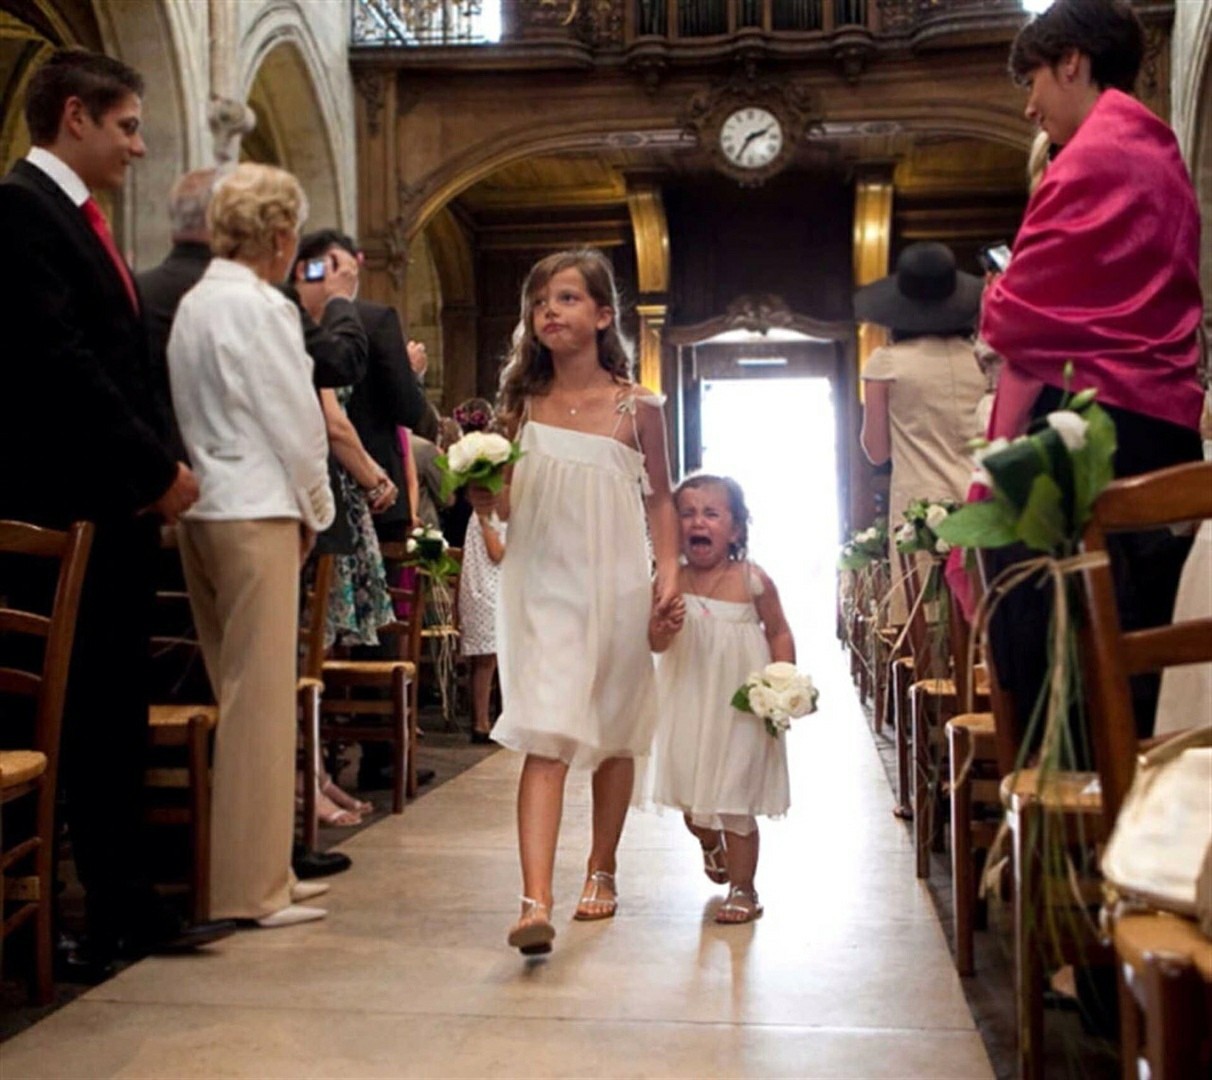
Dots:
pixel 777 437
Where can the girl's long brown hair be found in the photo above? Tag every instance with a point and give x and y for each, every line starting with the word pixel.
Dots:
pixel 528 369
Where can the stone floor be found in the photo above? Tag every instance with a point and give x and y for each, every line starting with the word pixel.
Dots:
pixel 848 973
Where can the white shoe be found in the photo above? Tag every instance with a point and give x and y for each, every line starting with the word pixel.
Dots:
pixel 291 916
pixel 307 890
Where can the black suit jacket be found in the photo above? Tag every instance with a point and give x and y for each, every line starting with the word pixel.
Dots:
pixel 161 289
pixel 389 396
pixel 84 433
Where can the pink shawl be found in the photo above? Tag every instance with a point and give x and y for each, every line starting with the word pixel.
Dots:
pixel 1105 273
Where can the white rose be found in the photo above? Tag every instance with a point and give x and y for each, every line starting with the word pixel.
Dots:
pixel 461 455
pixel 780 675
pixel 867 535
pixel 941 546
pixel 935 516
pixel 411 546
pixel 1070 427
pixel 906 533
pixel 763 701
pixel 494 448
pixel 780 723
pixel 797 701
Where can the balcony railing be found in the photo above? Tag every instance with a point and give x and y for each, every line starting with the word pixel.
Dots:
pixel 425 22
pixel 681 19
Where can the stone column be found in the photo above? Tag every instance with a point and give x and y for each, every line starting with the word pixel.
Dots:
pixel 227 115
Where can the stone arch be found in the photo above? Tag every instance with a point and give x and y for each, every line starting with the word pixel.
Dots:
pixel 287 79
pixel 159 40
pixel 462 170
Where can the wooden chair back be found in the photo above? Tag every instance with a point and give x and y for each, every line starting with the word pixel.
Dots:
pixel 316 588
pixel 1181 494
pixel 45 682
pixel 404 632
pixel 1007 729
pixel 35 659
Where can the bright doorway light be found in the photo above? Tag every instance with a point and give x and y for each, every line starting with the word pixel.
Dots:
pixel 776 437
pixel 1036 6
pixel 486 24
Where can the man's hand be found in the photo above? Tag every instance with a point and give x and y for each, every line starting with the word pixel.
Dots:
pixel 418 359
pixel 342 277
pixel 182 493
pixel 386 496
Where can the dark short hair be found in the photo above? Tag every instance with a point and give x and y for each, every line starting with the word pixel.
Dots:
pixel 1107 31
pixel 314 244
pixel 100 81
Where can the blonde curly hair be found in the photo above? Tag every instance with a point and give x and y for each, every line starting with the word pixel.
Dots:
pixel 250 206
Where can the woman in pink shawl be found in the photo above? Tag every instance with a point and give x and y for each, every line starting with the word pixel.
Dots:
pixel 1105 275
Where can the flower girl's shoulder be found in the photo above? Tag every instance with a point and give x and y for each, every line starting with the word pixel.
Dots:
pixel 757 580
pixel 634 395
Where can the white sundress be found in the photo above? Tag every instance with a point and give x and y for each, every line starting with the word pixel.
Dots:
pixel 479 584
pixel 577 678
pixel 710 761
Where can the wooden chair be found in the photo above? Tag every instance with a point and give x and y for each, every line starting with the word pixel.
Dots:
pixel 39 683
pixel 180 724
pixel 1165 962
pixel 974 773
pixel 391 716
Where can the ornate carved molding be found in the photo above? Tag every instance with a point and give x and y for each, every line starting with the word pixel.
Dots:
pixel 371 86
pixel 759 313
pixel 796 106
pixel 229 122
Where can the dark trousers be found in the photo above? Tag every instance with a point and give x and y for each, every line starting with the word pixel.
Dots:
pixel 1146 568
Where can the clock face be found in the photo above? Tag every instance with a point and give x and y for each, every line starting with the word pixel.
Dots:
pixel 751 137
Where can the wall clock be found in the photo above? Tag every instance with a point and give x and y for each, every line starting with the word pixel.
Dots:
pixel 752 139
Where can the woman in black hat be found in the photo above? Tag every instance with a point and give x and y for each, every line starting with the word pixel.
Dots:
pixel 921 392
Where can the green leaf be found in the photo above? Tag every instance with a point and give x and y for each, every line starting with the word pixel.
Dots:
pixel 1014 469
pixel 1093 465
pixel 1080 401
pixel 1042 523
pixel 980 525
pixel 740 700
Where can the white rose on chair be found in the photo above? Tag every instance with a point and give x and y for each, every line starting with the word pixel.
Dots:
pixel 479 457
pixel 777 694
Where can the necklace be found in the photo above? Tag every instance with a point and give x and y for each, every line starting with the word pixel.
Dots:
pixel 701 598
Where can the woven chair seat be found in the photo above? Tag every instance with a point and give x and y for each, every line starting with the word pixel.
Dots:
pixel 20 766
pixel 1136 936
pixel 936 687
pixel 1067 792
pixel 171 716
pixel 368 667
pixel 975 724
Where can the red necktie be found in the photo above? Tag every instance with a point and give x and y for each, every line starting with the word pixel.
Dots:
pixel 101 227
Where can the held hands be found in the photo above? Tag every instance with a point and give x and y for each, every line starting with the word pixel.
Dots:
pixel 668 620
pixel 483 501
pixel 383 495
pixel 182 493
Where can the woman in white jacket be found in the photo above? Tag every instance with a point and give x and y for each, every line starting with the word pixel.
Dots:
pixel 251 421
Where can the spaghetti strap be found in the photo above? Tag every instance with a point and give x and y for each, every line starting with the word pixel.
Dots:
pixel 753 581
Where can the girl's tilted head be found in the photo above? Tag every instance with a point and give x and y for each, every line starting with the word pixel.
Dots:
pixel 714 519
pixel 569 299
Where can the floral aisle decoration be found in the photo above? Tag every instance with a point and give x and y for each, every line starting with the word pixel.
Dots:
pixel 429 555
pixel 776 695
pixel 1043 486
pixel 480 457
pixel 863 559
pixel 919 532
pixel 865 546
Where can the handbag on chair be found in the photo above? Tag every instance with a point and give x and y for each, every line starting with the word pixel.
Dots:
pixel 1159 855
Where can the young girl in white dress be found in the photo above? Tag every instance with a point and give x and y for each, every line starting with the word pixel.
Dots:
pixel 479 585
pixel 577 680
pixel 720 767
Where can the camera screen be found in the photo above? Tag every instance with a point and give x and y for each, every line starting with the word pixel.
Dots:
pixel 999 257
pixel 314 270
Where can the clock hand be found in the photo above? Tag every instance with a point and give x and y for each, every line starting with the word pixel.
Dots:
pixel 754 135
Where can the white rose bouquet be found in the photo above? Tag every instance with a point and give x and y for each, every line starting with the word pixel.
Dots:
pixel 777 694
pixel 480 457
pixel 920 529
pixel 427 550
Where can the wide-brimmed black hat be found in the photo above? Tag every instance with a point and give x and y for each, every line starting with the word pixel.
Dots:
pixel 925 295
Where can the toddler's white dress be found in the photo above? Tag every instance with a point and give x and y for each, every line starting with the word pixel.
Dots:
pixel 577 680
pixel 719 765
pixel 479 584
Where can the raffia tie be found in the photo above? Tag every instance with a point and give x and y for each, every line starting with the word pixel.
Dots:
pixel 1052 570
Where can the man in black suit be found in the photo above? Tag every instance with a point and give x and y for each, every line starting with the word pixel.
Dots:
pixel 388 398
pixel 85 437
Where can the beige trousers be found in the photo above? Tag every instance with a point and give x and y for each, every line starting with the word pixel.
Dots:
pixel 243 579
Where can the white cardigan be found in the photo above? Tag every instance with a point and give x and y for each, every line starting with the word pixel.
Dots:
pixel 248 413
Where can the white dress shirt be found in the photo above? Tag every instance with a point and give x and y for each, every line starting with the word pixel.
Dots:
pixel 60 172
pixel 242 390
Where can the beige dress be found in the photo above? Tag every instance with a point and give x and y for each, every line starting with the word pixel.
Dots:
pixel 934 387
